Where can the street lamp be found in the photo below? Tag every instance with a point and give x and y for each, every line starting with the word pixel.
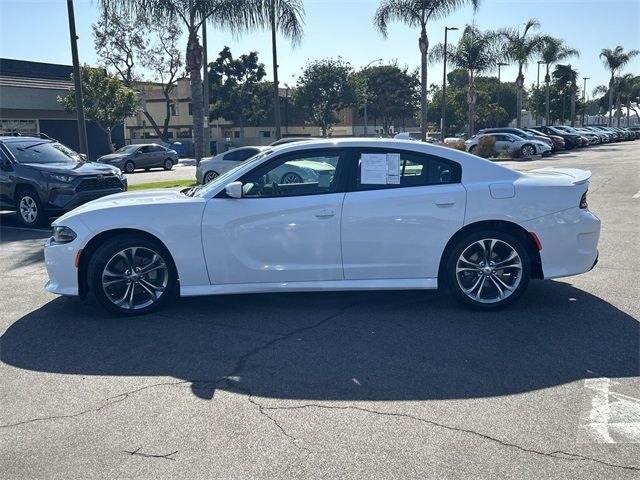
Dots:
pixel 584 98
pixel 540 62
pixel 444 84
pixel 500 64
pixel 366 92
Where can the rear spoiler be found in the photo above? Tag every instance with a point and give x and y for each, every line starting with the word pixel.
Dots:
pixel 578 176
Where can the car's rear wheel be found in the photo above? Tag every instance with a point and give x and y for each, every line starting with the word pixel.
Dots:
pixel 488 270
pixel 168 164
pixel 291 177
pixel 129 166
pixel 131 275
pixel 29 208
pixel 528 150
pixel 209 176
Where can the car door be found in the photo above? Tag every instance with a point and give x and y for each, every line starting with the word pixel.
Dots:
pixel 142 158
pixel 278 232
pixel 157 155
pixel 395 224
pixel 503 142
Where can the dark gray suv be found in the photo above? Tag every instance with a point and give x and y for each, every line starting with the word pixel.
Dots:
pixel 41 178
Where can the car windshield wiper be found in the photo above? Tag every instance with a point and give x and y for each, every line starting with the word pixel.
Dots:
pixel 34 145
pixel 190 192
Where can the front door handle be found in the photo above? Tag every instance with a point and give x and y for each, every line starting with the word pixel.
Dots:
pixel 445 202
pixel 325 213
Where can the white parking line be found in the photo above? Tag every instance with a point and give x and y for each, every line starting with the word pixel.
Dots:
pixel 637 195
pixel 607 416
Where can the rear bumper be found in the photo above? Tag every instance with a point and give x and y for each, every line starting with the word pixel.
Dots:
pixel 569 241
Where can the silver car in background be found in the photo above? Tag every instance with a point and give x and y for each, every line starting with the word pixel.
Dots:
pixel 212 167
pixel 505 142
pixel 143 156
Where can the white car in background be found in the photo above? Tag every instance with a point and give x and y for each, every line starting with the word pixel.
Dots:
pixel 506 142
pixel 380 214
pixel 211 167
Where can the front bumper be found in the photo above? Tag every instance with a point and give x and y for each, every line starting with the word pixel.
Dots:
pixel 60 262
pixel 569 241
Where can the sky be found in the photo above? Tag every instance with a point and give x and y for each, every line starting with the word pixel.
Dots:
pixel 37 30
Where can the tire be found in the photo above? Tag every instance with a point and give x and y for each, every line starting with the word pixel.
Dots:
pixel 122 290
pixel 481 285
pixel 29 209
pixel 291 177
pixel 528 150
pixel 209 176
pixel 129 166
pixel 472 149
pixel 168 164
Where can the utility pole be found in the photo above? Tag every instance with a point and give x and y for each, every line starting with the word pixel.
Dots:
pixel 444 85
pixel 500 64
pixel 82 128
pixel 366 93
pixel 276 89
pixel 206 137
pixel 540 62
pixel 584 98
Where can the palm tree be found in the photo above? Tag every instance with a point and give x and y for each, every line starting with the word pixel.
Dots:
pixel 566 76
pixel 236 15
pixel 522 47
pixel 615 60
pixel 417 13
pixel 628 88
pixel 286 17
pixel 475 52
pixel 554 51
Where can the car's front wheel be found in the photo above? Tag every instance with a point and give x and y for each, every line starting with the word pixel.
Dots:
pixel 131 275
pixel 168 164
pixel 29 209
pixel 488 270
pixel 528 150
pixel 129 166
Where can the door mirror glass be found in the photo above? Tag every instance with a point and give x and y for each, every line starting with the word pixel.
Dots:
pixel 234 189
pixel 138 152
pixel 83 157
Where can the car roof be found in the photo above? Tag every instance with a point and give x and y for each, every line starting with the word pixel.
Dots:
pixel 18 139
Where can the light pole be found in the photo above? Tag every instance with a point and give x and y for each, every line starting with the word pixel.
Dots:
pixel 500 64
pixel 444 84
pixel 540 62
pixel 584 98
pixel 205 81
pixel 366 92
pixel 82 128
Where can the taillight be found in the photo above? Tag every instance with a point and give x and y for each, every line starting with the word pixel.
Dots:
pixel 583 201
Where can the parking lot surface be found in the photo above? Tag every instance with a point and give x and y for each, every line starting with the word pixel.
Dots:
pixel 333 385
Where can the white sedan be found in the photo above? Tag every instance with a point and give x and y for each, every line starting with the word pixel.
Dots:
pixel 380 214
pixel 211 167
pixel 506 142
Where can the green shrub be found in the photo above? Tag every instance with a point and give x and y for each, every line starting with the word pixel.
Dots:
pixel 459 145
pixel 486 146
pixel 504 155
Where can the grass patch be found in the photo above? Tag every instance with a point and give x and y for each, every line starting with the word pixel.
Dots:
pixel 167 184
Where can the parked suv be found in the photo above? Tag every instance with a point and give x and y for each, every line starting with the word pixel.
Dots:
pixel 41 178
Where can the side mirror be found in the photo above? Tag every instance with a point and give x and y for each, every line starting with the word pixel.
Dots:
pixel 138 152
pixel 83 157
pixel 234 189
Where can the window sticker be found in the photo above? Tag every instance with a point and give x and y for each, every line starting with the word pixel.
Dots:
pixel 393 169
pixel 373 169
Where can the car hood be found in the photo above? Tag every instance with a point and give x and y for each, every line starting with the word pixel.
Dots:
pixel 113 156
pixel 70 168
pixel 129 199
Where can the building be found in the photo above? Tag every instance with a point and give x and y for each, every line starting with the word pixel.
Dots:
pixel 28 105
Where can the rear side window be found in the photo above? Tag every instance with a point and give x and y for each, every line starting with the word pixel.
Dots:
pixel 247 153
pixel 379 169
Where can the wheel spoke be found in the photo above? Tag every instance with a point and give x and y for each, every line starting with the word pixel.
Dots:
pixel 113 282
pixel 482 283
pixel 499 280
pixel 151 293
pixel 500 291
pixel 475 285
pixel 151 285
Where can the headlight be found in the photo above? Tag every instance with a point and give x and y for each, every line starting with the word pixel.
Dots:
pixel 63 235
pixel 58 176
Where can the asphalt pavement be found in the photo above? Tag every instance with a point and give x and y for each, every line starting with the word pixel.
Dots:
pixel 185 170
pixel 333 385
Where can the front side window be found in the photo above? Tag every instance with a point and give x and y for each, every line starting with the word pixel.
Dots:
pixel 41 152
pixel 392 169
pixel 300 173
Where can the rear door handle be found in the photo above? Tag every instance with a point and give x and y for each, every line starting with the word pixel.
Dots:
pixel 325 213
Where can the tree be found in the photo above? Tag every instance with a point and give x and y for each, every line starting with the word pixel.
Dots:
pixel 615 60
pixel 417 13
pixel 554 50
pixel 629 88
pixel 235 15
pixel 521 47
pixel 392 93
pixel 286 17
pixel 324 88
pixel 476 53
pixel 235 90
pixel 106 100
pixel 566 77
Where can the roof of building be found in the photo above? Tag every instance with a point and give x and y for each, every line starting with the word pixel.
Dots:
pixel 21 73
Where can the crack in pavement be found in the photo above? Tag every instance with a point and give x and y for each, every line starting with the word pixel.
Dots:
pixel 558 454
pixel 106 403
pixel 137 451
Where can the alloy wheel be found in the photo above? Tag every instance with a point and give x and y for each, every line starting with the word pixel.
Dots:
pixel 291 178
pixel 489 270
pixel 135 278
pixel 28 209
pixel 528 151
pixel 210 176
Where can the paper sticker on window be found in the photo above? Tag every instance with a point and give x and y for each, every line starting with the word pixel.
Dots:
pixel 373 169
pixel 393 168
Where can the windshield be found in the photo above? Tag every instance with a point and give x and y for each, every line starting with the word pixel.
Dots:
pixel 42 152
pixel 127 149
pixel 224 178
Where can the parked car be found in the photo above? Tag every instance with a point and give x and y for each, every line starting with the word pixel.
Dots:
pixel 607 137
pixel 520 133
pixel 587 138
pixel 211 167
pixel 148 156
pixel 392 214
pixel 571 140
pixel 556 140
pixel 41 178
pixel 286 140
pixel 506 142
